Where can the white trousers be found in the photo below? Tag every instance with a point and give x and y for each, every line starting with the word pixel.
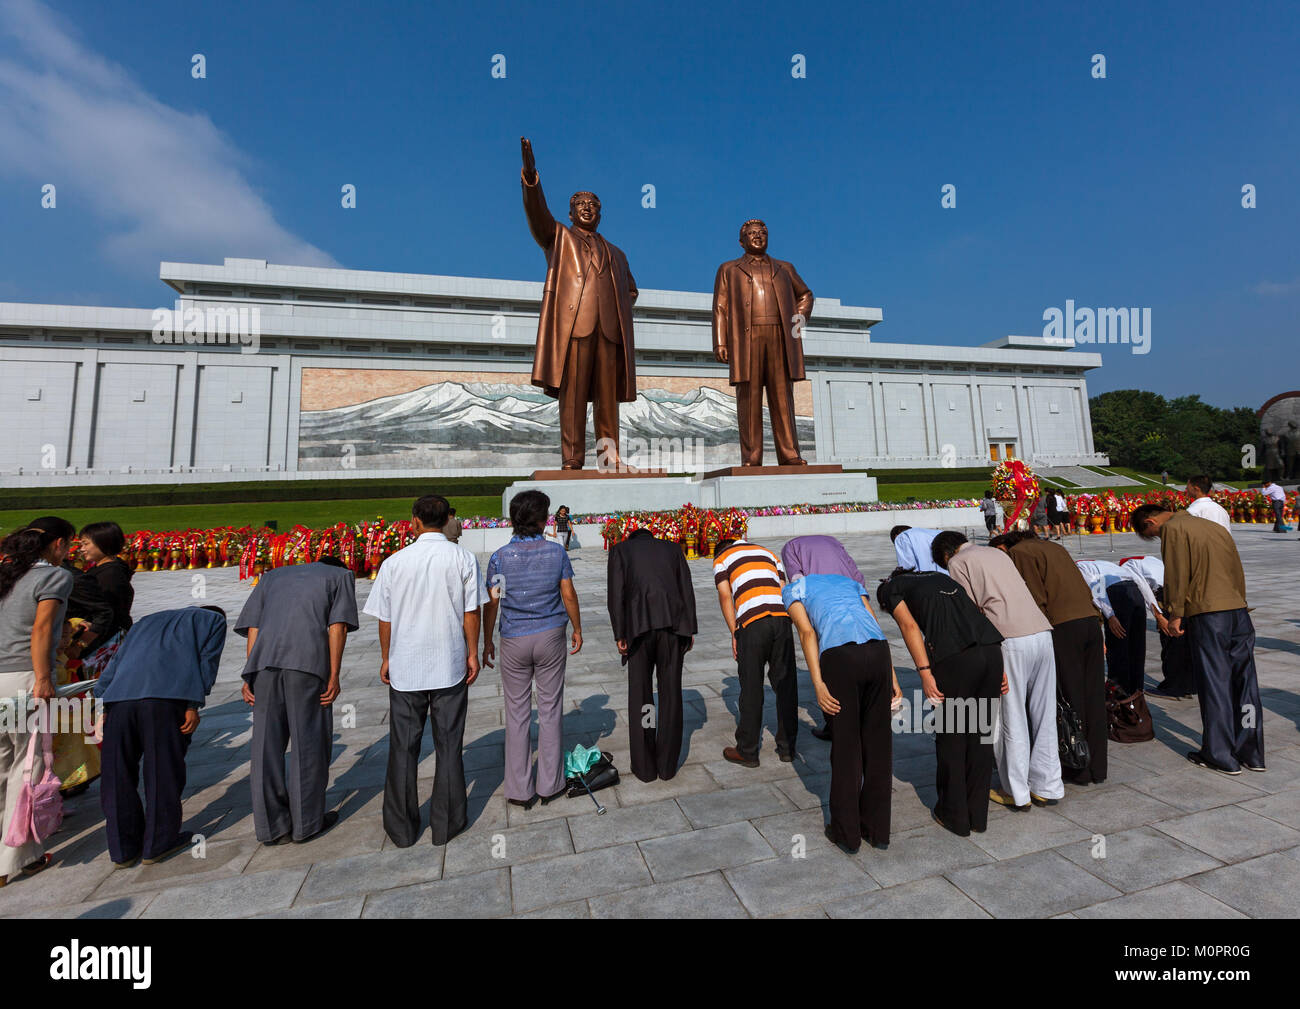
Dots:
pixel 13 758
pixel 1024 742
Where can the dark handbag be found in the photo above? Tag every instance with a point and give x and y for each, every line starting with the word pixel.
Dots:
pixel 1129 717
pixel 1075 753
pixel 602 774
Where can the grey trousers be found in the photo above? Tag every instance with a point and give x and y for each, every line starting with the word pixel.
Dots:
pixel 449 806
pixel 1024 743
pixel 539 657
pixel 287 710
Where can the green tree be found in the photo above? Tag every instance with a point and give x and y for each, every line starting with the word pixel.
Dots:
pixel 1185 436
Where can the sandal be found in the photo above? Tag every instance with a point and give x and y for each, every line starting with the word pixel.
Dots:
pixel 40 865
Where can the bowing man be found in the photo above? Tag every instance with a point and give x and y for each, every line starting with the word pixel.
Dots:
pixel 296 622
pixel 652 610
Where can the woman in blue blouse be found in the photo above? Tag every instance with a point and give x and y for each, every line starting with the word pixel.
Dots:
pixel 530 581
pixel 853 676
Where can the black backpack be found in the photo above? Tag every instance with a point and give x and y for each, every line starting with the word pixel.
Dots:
pixel 1069 736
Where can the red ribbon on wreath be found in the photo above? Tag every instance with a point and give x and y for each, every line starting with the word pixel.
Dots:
pixel 1024 483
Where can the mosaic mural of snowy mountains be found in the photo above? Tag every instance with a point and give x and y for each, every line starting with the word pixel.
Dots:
pixel 504 420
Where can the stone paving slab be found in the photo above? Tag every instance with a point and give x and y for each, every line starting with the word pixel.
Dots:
pixel 1138 858
pixel 1170 901
pixel 1032 886
pixel 716 840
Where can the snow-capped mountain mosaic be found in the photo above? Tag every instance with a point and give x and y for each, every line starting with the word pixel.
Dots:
pixel 495 425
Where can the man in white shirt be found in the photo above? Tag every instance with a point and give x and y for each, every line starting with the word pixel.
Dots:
pixel 1277 501
pixel 1062 516
pixel 427 598
pixel 1123 596
pixel 912 548
pixel 1203 506
pixel 1175 652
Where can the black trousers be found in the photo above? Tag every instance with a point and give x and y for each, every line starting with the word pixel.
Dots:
pixel 964 768
pixel 449 806
pixel 1279 522
pixel 287 709
pixel 1176 664
pixel 144 732
pixel 1223 656
pixel 656 736
pixel 862 744
pixel 1081 675
pixel 1126 657
pixel 766 643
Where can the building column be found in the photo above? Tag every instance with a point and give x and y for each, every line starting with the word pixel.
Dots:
pixel 1081 390
pixel 79 449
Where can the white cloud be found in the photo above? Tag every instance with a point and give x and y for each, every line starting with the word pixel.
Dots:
pixel 1272 287
pixel 168 185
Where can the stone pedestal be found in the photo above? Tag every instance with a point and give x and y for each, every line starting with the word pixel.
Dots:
pixel 588 491
pixel 803 487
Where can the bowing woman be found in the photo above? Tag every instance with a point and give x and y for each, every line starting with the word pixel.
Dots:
pixel 957 654
pixel 853 676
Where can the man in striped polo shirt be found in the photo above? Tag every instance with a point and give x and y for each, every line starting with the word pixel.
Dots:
pixel 749 580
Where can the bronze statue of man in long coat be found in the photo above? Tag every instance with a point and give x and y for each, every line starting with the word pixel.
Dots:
pixel 760 305
pixel 585 351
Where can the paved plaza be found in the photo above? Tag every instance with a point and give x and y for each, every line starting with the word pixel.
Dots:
pixel 718 840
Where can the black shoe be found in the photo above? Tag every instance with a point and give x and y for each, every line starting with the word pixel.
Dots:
pixel 1252 767
pixel 548 799
pixel 327 821
pixel 1040 802
pixel 935 817
pixel 284 838
pixel 1166 693
pixel 824 734
pixel 523 803
pixel 880 845
pixel 1195 757
pixel 787 757
pixel 183 840
pixel 830 836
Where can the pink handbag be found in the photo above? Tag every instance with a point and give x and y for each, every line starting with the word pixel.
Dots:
pixel 38 809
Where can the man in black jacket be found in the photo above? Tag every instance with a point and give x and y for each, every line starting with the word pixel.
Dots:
pixel 652 609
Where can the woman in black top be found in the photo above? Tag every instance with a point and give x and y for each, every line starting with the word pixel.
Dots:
pixel 101 594
pixel 957 654
pixel 563 526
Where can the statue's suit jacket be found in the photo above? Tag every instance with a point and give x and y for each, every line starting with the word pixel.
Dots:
pixel 567 261
pixel 732 293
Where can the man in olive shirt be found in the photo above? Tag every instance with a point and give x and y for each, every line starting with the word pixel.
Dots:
pixel 1063 596
pixel 1205 593
pixel 1024 745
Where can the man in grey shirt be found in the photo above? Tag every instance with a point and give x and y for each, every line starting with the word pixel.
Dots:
pixel 297 622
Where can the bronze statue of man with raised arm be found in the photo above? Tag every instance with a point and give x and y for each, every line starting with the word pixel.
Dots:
pixel 760 305
pixel 585 351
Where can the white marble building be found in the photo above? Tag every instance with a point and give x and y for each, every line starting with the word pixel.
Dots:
pixel 354 373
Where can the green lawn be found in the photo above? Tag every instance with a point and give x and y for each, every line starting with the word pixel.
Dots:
pixel 285 513
pixel 932 491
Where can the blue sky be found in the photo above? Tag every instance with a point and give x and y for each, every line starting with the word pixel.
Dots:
pixel 1117 192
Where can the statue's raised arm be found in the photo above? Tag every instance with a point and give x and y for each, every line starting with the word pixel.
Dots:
pixel 540 221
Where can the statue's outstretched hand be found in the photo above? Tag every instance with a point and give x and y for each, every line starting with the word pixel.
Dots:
pixel 530 165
